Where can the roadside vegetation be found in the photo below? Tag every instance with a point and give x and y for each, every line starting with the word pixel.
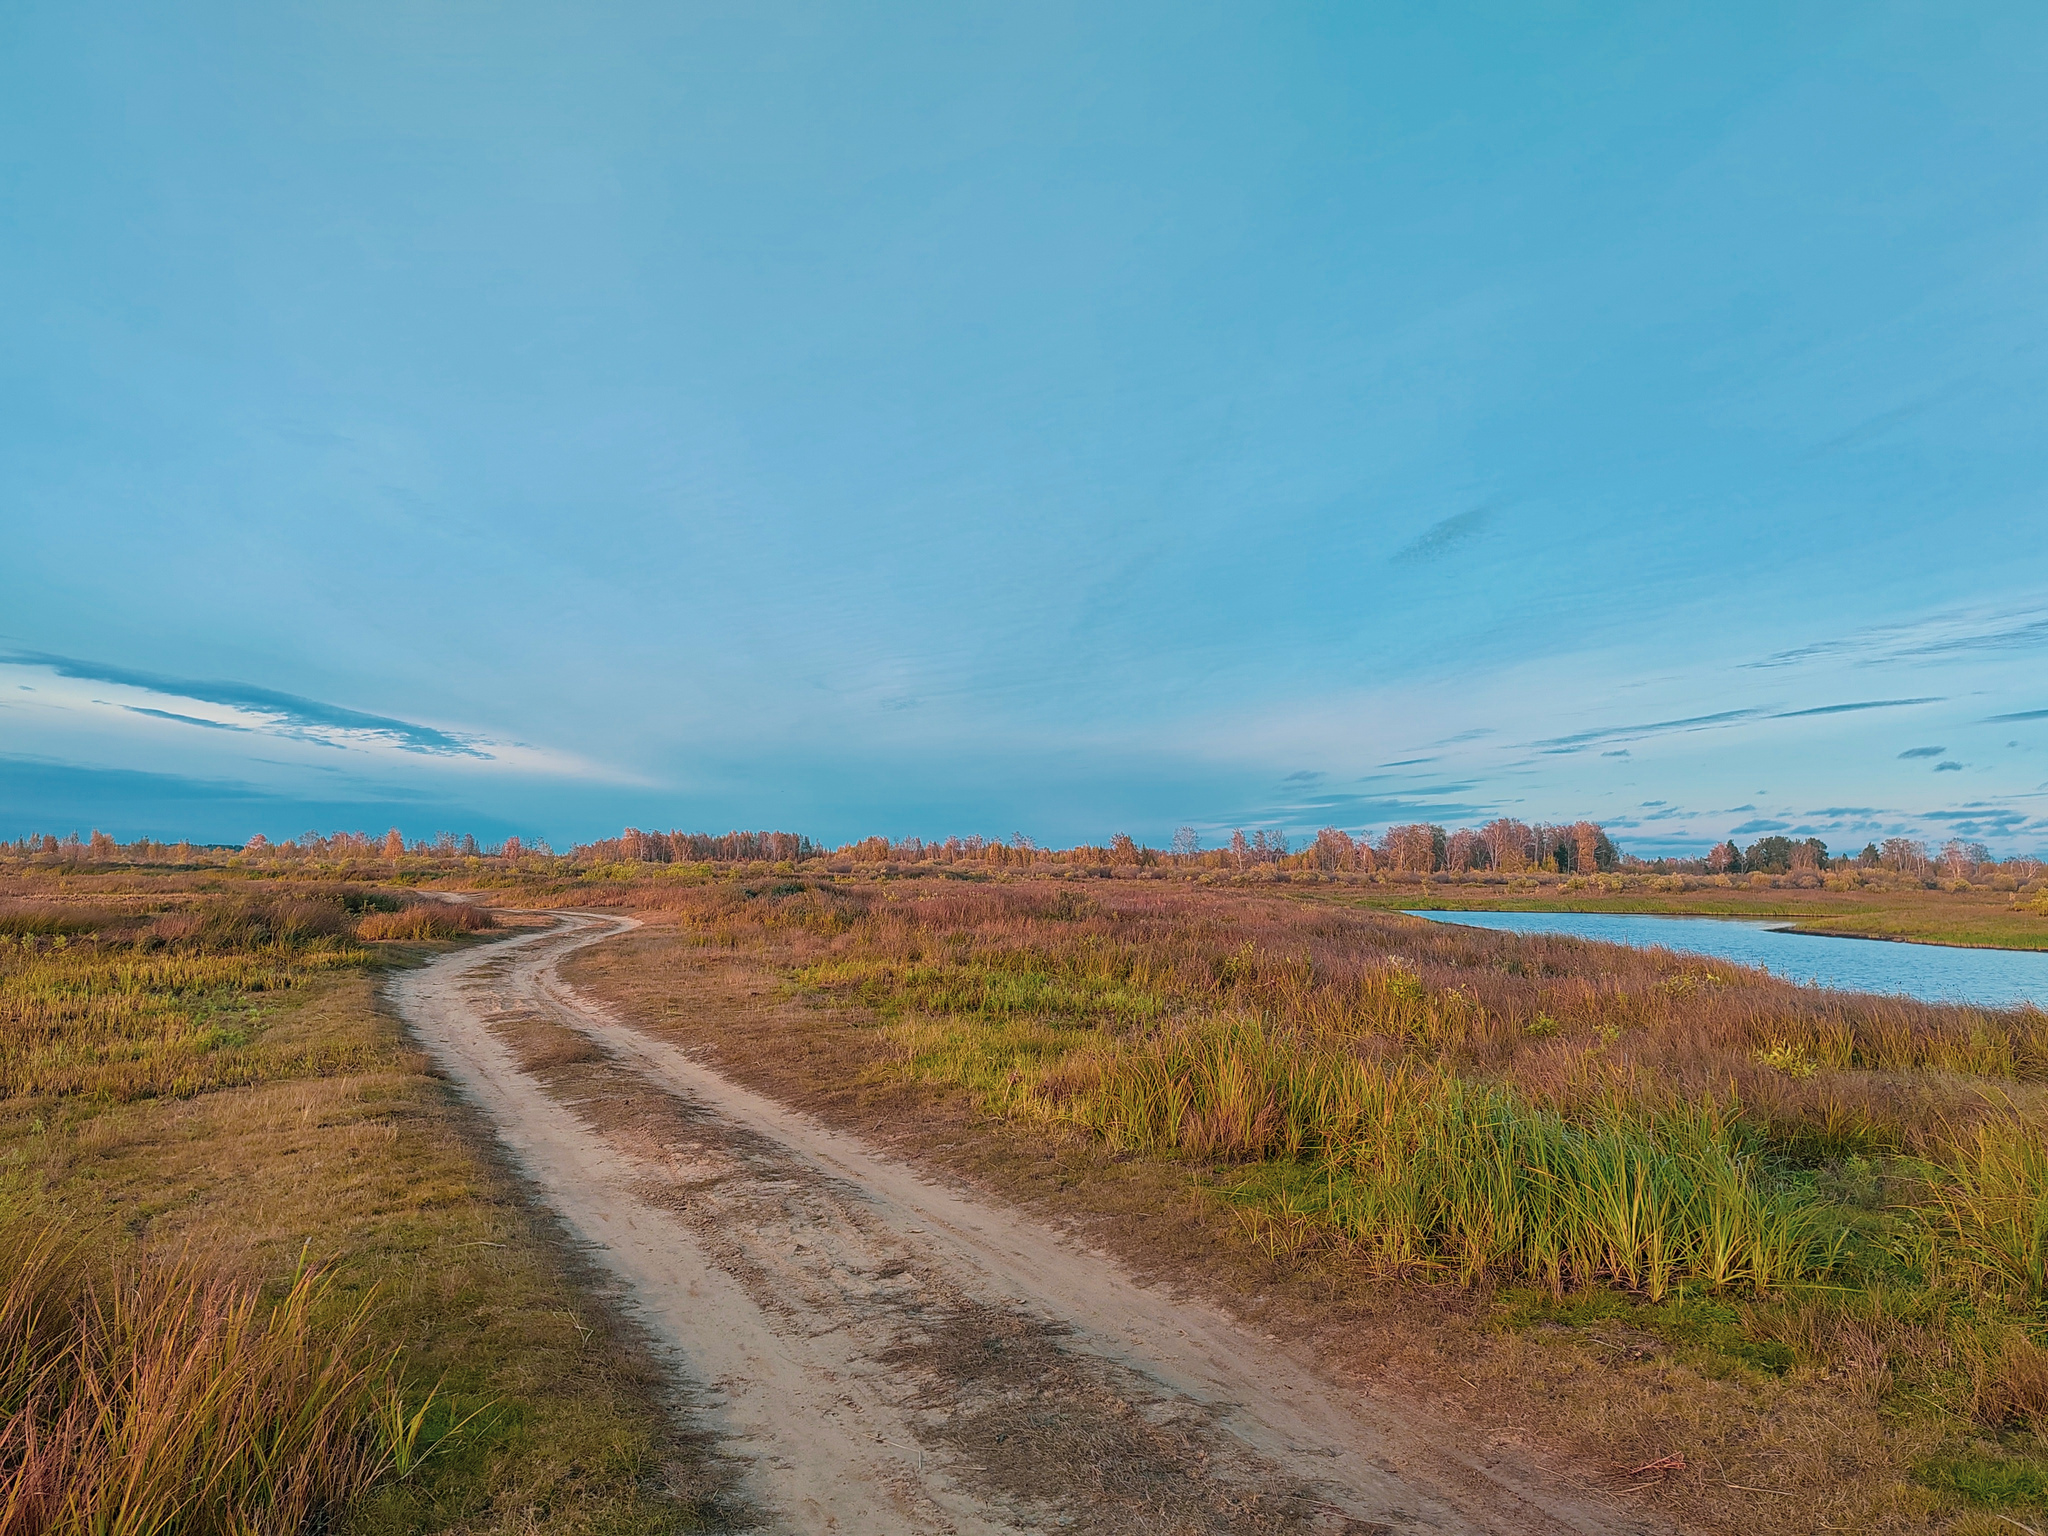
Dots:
pixel 257 1269
pixel 1816 1193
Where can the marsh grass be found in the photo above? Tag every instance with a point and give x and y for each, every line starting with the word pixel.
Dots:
pixel 1990 1209
pixel 1420 1172
pixel 426 920
pixel 1843 1194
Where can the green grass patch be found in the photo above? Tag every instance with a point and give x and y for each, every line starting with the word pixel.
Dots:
pixel 979 989
pixel 1988 1480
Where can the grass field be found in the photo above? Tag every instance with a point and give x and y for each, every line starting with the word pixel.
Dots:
pixel 260 1271
pixel 1826 1216
pixel 1643 1201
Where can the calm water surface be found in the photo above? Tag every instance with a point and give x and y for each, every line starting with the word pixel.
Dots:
pixel 1934 973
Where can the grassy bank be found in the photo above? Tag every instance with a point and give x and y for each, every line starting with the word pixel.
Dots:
pixel 289 1283
pixel 1825 1217
pixel 1847 906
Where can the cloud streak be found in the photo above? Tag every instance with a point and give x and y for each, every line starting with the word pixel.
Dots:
pixel 285 714
pixel 1581 739
pixel 1850 709
pixel 1959 632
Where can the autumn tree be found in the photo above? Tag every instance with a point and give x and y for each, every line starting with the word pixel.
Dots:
pixel 1510 845
pixel 1264 847
pixel 1959 859
pixel 1414 848
pixel 1906 855
pixel 1333 850
pixel 1591 851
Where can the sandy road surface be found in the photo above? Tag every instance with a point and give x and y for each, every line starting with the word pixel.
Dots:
pixel 881 1354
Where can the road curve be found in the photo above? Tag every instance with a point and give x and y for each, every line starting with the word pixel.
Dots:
pixel 880 1353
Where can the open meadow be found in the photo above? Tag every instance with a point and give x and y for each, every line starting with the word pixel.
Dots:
pixel 1727 1252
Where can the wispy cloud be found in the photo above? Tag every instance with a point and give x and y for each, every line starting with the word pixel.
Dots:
pixel 1956 632
pixel 1580 739
pixel 282 713
pixel 69 691
pixel 1923 752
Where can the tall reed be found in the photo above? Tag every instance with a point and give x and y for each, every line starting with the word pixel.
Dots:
pixel 1991 1206
pixel 159 1397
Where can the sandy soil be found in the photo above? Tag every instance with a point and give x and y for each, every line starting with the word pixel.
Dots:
pixel 879 1353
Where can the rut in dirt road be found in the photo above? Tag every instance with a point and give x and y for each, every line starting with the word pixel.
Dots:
pixel 881 1354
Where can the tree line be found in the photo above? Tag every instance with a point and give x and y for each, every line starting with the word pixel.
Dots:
pixel 1958 858
pixel 1503 846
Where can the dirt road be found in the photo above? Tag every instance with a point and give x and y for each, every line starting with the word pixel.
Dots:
pixel 880 1354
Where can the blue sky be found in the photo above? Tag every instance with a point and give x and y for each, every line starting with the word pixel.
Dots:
pixel 1036 419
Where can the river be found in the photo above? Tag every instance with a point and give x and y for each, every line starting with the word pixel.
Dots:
pixel 1934 973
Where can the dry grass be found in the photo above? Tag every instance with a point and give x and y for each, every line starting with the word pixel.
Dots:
pixel 118 1004
pixel 121 1023
pixel 164 1396
pixel 199 1109
pixel 426 920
